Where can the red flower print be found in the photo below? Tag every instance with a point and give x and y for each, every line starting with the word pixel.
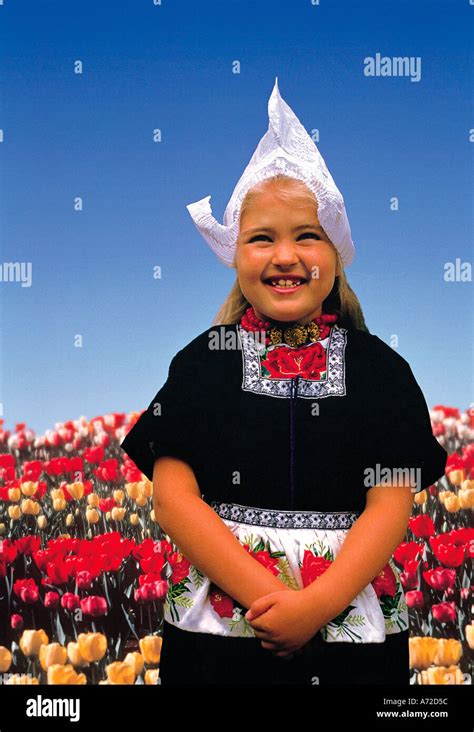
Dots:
pixel 221 603
pixel 286 362
pixel 313 567
pixel 386 582
pixel 264 558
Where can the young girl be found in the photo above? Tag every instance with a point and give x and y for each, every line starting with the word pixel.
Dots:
pixel 285 448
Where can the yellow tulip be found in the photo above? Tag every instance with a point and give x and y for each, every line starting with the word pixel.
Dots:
pixel 14 512
pixel 452 504
pixel 74 655
pixel 134 520
pixel 141 500
pixel 92 646
pixel 59 504
pixel 5 659
pixel 133 490
pixel 152 515
pixel 152 675
pixel 150 647
pixel 3 529
pixel 449 652
pixel 75 490
pixel 117 514
pixel 442 495
pixel 422 651
pixel 30 507
pixel 120 673
pixel 421 497
pixel 136 661
pixel 470 635
pixel 69 520
pixel 14 494
pixel 456 477
pixel 59 674
pixel 119 496
pixel 32 640
pixel 53 653
pixel 22 680
pixel 146 488
pixel 92 515
pixel 41 521
pixel 441 675
pixel 467 485
pixel 28 488
pixel 56 493
pixel 466 496
pixel 93 500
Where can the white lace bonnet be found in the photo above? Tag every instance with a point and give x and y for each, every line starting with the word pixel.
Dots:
pixel 285 148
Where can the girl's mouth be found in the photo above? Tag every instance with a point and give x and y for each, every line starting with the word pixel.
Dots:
pixel 285 285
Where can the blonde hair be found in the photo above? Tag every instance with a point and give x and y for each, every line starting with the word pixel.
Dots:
pixel 342 300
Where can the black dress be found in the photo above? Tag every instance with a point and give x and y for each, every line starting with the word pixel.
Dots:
pixel 284 444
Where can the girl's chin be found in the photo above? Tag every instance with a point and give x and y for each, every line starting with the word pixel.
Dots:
pixel 282 314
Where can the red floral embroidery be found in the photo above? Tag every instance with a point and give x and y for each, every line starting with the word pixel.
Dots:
pixel 385 583
pixel 222 604
pixel 309 362
pixel 312 567
pixel 271 563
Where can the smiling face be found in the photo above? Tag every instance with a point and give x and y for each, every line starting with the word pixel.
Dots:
pixel 282 240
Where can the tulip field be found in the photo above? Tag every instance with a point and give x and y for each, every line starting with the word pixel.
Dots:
pixel 84 567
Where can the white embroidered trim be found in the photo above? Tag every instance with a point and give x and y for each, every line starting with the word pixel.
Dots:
pixel 255 516
pixel 333 385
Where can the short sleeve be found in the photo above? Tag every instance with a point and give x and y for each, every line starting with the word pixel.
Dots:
pixel 401 435
pixel 165 427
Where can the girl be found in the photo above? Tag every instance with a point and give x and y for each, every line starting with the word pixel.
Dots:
pixel 284 449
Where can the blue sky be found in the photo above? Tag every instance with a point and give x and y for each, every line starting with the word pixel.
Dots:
pixel 171 66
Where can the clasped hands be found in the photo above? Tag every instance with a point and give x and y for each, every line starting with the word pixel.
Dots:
pixel 285 621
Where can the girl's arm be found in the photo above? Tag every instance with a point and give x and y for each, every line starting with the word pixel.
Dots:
pixel 368 546
pixel 203 537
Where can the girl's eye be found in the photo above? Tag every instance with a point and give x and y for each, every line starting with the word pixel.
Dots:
pixel 257 237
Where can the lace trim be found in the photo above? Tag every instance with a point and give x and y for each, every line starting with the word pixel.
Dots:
pixel 284 519
pixel 333 385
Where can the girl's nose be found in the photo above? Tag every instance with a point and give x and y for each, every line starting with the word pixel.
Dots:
pixel 284 252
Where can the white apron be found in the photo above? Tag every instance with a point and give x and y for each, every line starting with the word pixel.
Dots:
pixel 297 546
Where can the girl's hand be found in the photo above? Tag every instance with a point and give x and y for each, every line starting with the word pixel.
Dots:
pixel 284 621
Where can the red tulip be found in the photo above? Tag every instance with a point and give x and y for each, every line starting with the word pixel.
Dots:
pixel 51 600
pixel 409 580
pixel 28 544
pixel 16 621
pixel 440 578
pixel 70 601
pixel 26 588
pixel 94 605
pixel 450 554
pixel 414 599
pixel 58 571
pixel 407 550
pixel 422 526
pixel 84 579
pixel 444 612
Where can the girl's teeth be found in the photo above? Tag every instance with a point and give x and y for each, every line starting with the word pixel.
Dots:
pixel 286 283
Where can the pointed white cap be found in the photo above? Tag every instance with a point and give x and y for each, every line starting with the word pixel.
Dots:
pixel 285 148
